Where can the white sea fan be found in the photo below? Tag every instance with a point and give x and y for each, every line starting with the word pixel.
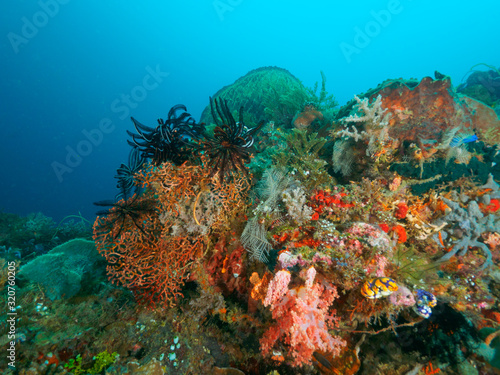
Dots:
pixel 270 189
pixel 254 240
pixel 343 157
pixel 460 153
pixel 273 182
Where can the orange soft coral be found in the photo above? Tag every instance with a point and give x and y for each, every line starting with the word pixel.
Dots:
pixel 494 206
pixel 401 210
pixel 400 233
pixel 322 201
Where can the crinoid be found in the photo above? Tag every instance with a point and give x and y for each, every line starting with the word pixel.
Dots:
pixel 229 146
pixel 172 140
pixel 126 174
pixel 122 215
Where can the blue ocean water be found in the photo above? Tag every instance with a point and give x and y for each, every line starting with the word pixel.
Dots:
pixel 74 72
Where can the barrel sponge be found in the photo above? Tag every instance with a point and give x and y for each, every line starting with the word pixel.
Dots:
pixel 61 270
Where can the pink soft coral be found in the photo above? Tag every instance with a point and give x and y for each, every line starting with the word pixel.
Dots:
pixel 301 316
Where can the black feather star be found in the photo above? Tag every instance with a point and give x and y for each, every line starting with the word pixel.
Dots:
pixel 126 174
pixel 229 147
pixel 126 211
pixel 172 140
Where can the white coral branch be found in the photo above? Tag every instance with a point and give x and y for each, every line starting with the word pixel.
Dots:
pixel 374 114
pixel 298 210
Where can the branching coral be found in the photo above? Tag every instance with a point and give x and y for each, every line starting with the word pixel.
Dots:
pixel 472 223
pixel 295 200
pixel 375 131
pixel 376 123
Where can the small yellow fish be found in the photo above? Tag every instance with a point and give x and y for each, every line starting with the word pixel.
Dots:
pixel 378 287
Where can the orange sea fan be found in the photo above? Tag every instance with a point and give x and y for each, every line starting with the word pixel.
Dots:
pixel 151 264
pixel 154 253
pixel 184 188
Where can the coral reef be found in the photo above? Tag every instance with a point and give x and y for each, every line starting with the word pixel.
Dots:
pixel 381 259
